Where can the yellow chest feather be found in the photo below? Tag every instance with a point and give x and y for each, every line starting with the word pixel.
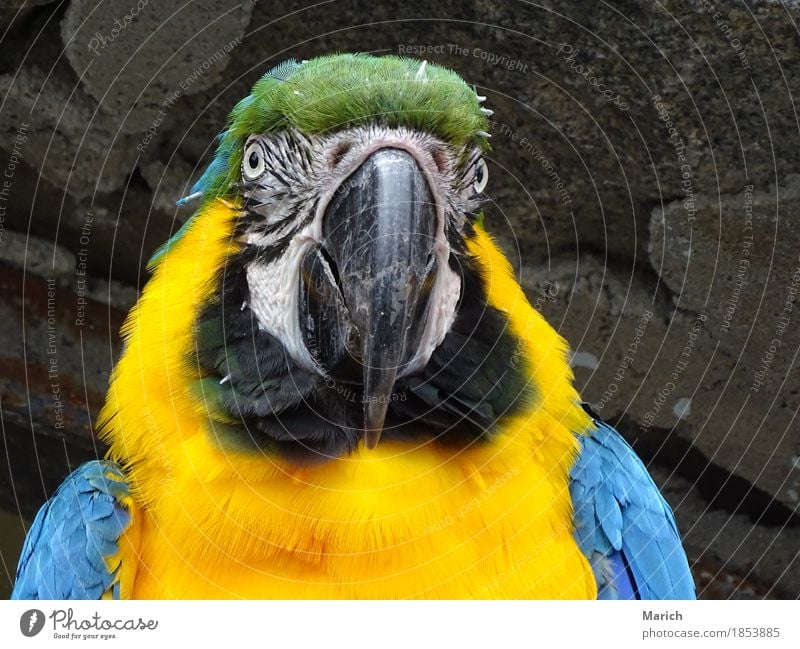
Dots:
pixel 394 523
pixel 490 521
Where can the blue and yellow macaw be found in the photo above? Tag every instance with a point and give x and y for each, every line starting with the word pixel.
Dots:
pixel 334 387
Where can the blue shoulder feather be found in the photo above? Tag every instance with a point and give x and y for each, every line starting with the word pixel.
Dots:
pixel 74 534
pixel 622 523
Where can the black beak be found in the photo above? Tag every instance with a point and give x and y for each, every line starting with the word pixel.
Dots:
pixel 366 291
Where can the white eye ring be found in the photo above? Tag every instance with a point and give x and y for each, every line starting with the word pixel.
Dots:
pixel 254 162
pixel 481 176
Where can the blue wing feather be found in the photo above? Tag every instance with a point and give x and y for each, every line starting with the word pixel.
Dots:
pixel 622 523
pixel 73 535
pixel 615 580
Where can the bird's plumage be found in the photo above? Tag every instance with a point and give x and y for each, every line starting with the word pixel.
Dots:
pixel 620 515
pixel 72 548
pixel 243 448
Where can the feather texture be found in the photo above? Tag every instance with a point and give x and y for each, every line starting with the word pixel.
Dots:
pixel 622 523
pixel 420 516
pixel 330 92
pixel 69 551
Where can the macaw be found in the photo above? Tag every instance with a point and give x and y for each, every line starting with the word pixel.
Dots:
pixel 334 387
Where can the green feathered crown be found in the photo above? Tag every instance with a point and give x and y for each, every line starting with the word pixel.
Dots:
pixel 340 90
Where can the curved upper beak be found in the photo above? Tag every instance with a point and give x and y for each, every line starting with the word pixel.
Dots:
pixel 367 288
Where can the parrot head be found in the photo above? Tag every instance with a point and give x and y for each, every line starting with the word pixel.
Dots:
pixel 337 280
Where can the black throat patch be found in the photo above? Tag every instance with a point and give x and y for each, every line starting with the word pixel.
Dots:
pixel 258 398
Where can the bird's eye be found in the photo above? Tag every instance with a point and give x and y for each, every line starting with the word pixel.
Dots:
pixel 254 163
pixel 481 176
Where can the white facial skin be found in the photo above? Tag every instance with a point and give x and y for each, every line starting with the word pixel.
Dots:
pixel 287 185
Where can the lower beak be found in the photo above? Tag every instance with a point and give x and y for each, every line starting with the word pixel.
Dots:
pixel 370 282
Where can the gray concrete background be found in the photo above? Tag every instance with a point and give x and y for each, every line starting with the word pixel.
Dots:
pixel 643 179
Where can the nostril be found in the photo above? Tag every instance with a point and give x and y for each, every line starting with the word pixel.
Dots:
pixel 439 156
pixel 339 152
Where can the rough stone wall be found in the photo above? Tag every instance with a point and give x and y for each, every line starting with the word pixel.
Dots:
pixel 644 181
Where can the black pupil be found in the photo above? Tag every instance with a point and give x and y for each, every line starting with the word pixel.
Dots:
pixel 253 160
pixel 479 174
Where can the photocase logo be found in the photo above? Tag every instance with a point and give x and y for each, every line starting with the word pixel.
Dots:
pixel 31 622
